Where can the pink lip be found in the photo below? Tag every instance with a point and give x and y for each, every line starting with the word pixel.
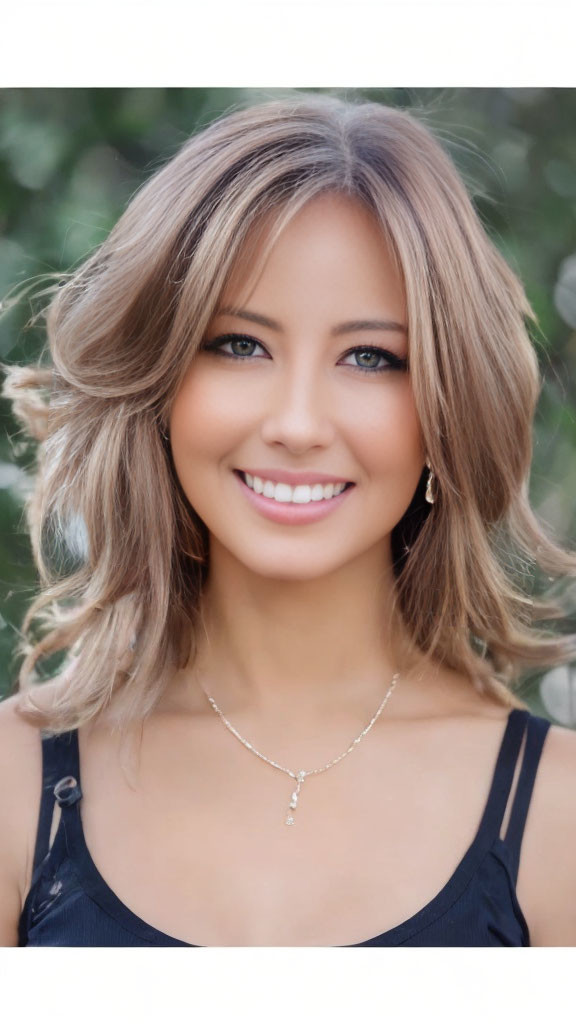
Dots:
pixel 284 476
pixel 288 513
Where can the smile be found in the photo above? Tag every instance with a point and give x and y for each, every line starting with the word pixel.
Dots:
pixel 301 494
pixel 293 505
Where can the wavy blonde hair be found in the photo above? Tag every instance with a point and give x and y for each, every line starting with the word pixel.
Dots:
pixel 125 603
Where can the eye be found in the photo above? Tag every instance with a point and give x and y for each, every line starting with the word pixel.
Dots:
pixel 375 355
pixel 380 359
pixel 241 340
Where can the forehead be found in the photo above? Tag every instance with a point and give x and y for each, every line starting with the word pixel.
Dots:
pixel 331 237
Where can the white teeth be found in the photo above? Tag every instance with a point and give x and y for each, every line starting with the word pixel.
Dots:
pixel 299 495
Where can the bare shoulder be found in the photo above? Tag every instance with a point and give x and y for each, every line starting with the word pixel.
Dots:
pixel 20 792
pixel 20 745
pixel 20 755
pixel 547 874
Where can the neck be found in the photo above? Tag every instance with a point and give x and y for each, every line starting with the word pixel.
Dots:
pixel 293 651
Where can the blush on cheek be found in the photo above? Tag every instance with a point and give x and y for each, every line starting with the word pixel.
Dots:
pixel 205 424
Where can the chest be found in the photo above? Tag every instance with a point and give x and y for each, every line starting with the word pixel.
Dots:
pixel 196 843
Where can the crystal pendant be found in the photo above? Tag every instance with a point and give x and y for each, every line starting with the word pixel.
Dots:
pixel 294 798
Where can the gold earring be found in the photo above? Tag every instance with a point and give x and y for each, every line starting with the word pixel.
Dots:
pixel 429 496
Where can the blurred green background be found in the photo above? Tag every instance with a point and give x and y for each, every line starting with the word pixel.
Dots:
pixel 70 159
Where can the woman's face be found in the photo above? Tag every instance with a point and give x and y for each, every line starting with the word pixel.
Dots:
pixel 307 395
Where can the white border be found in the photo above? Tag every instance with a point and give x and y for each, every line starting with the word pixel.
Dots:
pixel 278 43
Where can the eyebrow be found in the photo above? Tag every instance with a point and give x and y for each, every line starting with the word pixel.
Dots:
pixel 343 328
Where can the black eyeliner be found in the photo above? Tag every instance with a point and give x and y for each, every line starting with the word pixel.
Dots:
pixel 394 362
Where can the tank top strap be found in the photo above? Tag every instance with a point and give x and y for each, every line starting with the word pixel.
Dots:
pixel 503 775
pixel 537 731
pixel 60 784
pixel 536 728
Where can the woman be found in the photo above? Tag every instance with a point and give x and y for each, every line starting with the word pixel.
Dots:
pixel 286 453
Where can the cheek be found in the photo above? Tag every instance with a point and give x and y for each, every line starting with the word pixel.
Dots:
pixel 204 418
pixel 388 431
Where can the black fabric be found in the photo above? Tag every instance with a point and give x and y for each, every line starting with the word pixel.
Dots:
pixel 70 904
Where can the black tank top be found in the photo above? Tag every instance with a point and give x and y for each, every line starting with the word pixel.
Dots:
pixel 70 904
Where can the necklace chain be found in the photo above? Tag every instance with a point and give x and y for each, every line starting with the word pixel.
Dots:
pixel 301 775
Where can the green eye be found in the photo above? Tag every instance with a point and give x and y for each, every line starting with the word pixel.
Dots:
pixel 392 362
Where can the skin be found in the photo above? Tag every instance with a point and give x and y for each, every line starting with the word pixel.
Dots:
pixel 298 651
pixel 278 595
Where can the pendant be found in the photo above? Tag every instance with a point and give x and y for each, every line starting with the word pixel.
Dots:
pixel 294 799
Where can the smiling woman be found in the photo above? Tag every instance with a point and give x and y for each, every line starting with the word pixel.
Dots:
pixel 290 401
pixel 298 394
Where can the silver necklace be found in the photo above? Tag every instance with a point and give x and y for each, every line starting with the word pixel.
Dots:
pixel 301 775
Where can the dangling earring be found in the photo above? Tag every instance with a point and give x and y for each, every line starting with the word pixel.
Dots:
pixel 429 496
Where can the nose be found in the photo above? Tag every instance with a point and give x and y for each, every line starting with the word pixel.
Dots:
pixel 300 414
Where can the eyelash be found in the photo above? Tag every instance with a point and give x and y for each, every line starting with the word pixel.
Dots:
pixel 394 362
